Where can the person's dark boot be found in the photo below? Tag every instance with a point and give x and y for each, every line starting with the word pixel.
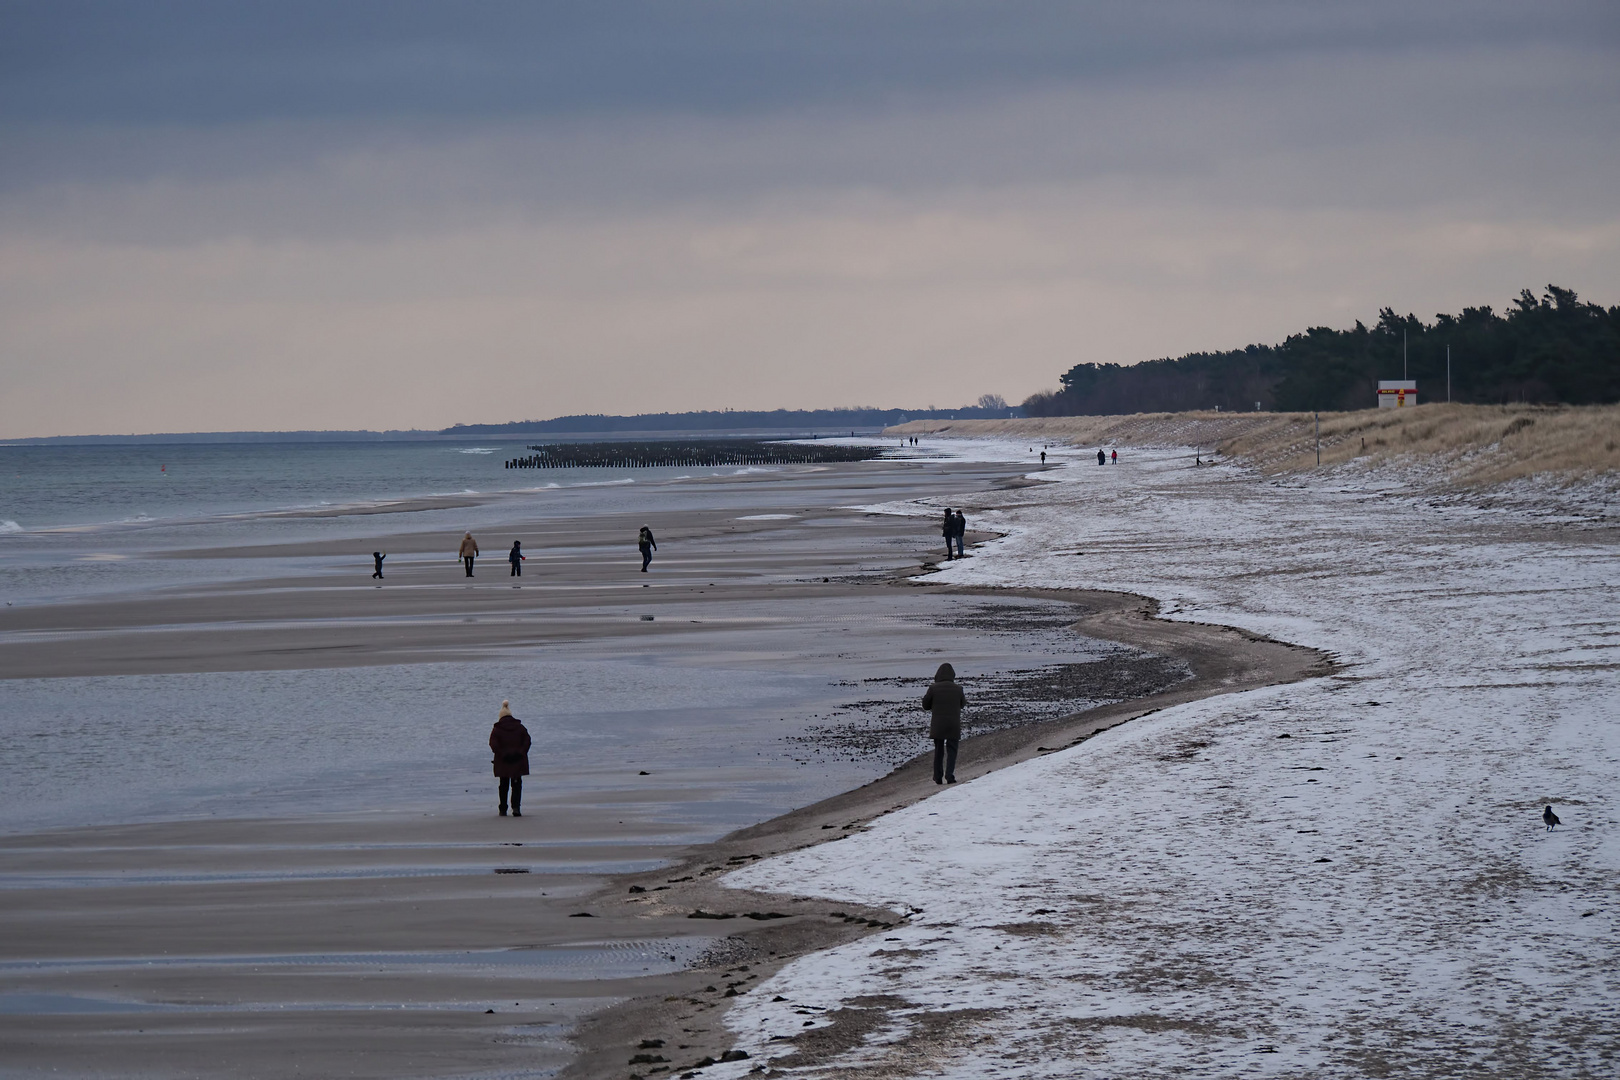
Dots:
pixel 503 811
pixel 516 812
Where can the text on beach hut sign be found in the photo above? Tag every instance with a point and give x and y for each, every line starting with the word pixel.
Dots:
pixel 1396 393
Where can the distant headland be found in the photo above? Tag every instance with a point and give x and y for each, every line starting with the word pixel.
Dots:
pixel 775 423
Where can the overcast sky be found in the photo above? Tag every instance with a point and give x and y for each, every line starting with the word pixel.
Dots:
pixel 272 216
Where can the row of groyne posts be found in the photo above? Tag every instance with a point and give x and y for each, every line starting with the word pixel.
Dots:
pixel 651 455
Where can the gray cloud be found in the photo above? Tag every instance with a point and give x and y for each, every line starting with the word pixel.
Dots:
pixel 1502 131
pixel 206 62
pixel 216 216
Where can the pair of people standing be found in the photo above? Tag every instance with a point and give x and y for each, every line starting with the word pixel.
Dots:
pixel 954 529
pixel 509 740
pixel 468 552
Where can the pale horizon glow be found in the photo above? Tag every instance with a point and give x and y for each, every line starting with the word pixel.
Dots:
pixel 348 264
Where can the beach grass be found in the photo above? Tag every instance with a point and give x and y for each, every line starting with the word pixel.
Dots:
pixel 1474 445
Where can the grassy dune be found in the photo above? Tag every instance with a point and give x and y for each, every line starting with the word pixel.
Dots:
pixel 1473 444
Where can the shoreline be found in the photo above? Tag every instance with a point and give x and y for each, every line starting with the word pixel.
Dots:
pixel 1223 659
pixel 1271 558
pixel 429 915
pixel 1330 871
pixel 422 911
pixel 314 914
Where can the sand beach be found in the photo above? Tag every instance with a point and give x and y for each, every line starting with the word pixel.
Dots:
pixel 732 846
pixel 1343 876
pixel 234 849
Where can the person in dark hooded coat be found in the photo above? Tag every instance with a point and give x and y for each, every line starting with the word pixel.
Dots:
pixel 509 742
pixel 945 700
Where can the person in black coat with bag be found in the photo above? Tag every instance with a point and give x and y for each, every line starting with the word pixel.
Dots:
pixel 509 742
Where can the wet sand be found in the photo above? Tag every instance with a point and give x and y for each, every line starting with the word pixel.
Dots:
pixel 1223 660
pixel 446 944
pixel 581 581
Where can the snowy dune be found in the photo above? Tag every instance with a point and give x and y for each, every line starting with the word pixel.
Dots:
pixel 1471 445
pixel 1343 877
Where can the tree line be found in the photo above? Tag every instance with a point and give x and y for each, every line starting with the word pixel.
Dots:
pixel 1552 348
pixel 990 407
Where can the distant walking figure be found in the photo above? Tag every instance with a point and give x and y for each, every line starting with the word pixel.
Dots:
pixel 509 742
pixel 1102 458
pixel 1550 818
pixel 959 530
pixel 946 699
pixel 468 551
pixel 645 541
pixel 516 558
pixel 1113 457
pixel 1043 457
pixel 947 529
pixel 377 557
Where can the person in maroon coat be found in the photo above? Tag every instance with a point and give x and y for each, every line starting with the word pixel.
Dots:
pixel 509 742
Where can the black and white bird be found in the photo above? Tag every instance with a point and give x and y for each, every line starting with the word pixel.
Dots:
pixel 1550 818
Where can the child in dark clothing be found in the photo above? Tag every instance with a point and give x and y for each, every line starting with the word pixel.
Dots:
pixel 377 557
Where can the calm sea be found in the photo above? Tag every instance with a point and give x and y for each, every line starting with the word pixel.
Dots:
pixel 719 720
pixel 74 519
pixel 52 487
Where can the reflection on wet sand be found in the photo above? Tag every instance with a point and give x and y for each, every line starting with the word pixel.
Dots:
pixel 319 886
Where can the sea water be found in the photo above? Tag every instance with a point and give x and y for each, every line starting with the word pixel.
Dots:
pixel 54 487
pixel 719 729
pixel 75 520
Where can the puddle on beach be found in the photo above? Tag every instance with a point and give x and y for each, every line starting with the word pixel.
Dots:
pixel 9 880
pixel 409 973
pixel 577 960
pixel 705 733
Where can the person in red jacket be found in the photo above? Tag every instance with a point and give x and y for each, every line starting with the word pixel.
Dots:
pixel 509 742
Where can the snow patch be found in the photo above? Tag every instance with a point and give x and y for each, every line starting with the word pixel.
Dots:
pixel 1325 878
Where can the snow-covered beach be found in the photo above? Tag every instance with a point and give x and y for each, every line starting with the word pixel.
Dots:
pixel 1343 877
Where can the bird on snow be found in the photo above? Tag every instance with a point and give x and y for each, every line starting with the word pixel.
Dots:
pixel 1550 818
